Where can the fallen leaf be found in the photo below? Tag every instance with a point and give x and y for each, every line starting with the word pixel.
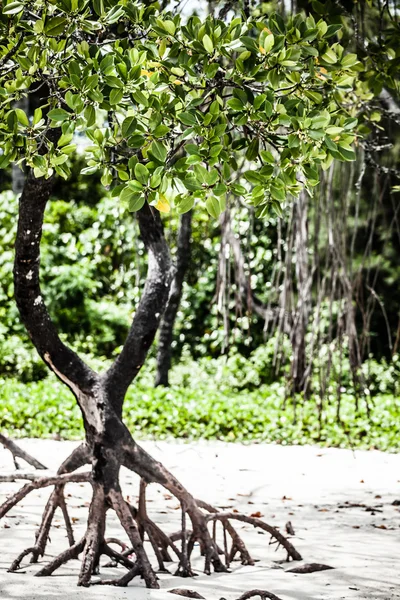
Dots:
pixel 257 514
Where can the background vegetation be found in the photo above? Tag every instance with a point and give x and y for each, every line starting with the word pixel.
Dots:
pixel 317 363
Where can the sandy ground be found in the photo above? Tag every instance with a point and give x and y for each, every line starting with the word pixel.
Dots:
pixel 312 487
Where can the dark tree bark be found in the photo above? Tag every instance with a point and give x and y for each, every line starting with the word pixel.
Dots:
pixel 164 354
pixel 108 445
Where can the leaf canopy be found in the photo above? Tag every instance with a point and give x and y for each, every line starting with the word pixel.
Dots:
pixel 173 109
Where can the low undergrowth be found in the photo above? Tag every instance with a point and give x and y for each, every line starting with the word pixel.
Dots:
pixel 206 405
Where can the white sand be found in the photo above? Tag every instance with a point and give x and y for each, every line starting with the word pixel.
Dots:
pixel 305 485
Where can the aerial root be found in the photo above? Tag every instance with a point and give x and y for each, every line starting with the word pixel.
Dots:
pixel 138 526
pixel 68 554
pixel 127 521
pixel 17 452
pixel 262 593
pixel 238 545
pixel 77 458
pixel 273 531
pixel 56 500
pixel 41 482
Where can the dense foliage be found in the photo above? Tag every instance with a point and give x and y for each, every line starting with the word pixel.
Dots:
pixel 170 108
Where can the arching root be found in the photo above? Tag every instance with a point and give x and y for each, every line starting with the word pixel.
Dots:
pixel 262 593
pixel 17 452
pixel 78 458
pixel 282 541
pixel 238 544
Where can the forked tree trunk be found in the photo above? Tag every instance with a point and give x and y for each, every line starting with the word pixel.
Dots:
pixel 100 396
pixel 166 335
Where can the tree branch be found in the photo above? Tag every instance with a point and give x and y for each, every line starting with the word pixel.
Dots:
pixel 62 360
pixel 149 312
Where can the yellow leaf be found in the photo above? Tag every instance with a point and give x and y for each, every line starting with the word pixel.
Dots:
pixel 163 204
pixel 147 73
pixel 262 50
pixel 178 82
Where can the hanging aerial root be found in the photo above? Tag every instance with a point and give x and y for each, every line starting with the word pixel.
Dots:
pixel 282 541
pixel 17 452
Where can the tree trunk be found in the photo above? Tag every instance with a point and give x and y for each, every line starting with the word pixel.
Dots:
pixel 164 354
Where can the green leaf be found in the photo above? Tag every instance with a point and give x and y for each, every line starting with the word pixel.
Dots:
pixel 186 204
pixel 239 189
pixel 116 96
pixel 235 104
pixel 254 177
pixel 269 42
pixel 332 29
pixel 213 206
pixel 278 192
pixel 58 114
pixel 55 26
pixel 267 157
pixel 128 126
pixel 347 153
pixel 169 26
pixel 207 43
pixel 90 115
pixel 252 150
pixel 158 151
pixel 201 174
pixel 212 176
pixel 187 118
pixel 141 173
pixel 349 60
pixel 334 130
pixel 155 179
pixel 37 115
pixel 13 8
pixel 329 57
pixel 135 203
pixel 161 130
pixel 21 116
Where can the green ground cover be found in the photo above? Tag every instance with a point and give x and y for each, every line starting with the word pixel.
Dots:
pixel 207 401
